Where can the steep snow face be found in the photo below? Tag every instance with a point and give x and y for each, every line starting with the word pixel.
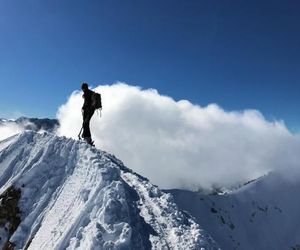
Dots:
pixel 74 196
pixel 261 215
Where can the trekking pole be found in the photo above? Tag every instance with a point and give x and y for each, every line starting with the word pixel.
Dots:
pixel 79 135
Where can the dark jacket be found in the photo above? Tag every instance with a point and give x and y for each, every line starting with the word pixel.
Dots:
pixel 87 95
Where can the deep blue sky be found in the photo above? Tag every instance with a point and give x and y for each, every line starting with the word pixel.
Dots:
pixel 239 54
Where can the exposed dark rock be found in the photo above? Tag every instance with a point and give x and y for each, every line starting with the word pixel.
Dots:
pixel 10 214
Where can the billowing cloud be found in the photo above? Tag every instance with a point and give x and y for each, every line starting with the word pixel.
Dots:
pixel 15 126
pixel 182 145
pixel 10 129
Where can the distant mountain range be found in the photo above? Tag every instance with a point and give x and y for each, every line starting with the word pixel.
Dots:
pixel 261 215
pixel 34 124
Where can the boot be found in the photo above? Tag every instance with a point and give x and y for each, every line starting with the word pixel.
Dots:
pixel 89 140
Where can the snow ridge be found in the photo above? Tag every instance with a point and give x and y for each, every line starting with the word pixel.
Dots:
pixel 74 196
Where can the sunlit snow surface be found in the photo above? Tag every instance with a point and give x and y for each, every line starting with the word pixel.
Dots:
pixel 74 196
pixel 261 215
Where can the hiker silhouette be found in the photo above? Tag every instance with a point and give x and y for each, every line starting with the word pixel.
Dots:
pixel 87 112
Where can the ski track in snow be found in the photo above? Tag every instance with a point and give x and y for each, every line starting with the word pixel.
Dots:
pixel 74 196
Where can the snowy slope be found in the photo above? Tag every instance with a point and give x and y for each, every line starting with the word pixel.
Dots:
pixel 262 215
pixel 57 193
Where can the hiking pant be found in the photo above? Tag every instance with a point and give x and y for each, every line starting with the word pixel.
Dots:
pixel 87 115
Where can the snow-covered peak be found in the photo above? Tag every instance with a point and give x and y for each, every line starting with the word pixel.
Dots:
pixel 58 193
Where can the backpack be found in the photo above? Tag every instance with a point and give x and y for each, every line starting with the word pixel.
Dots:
pixel 96 100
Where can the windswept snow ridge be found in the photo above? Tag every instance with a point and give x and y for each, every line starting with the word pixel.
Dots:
pixel 74 196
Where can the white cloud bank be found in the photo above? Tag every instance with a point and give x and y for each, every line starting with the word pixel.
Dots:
pixel 181 145
pixel 10 129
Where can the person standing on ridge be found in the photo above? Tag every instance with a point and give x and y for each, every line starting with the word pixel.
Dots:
pixel 87 112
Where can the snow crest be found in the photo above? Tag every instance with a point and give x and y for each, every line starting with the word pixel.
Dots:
pixel 74 196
